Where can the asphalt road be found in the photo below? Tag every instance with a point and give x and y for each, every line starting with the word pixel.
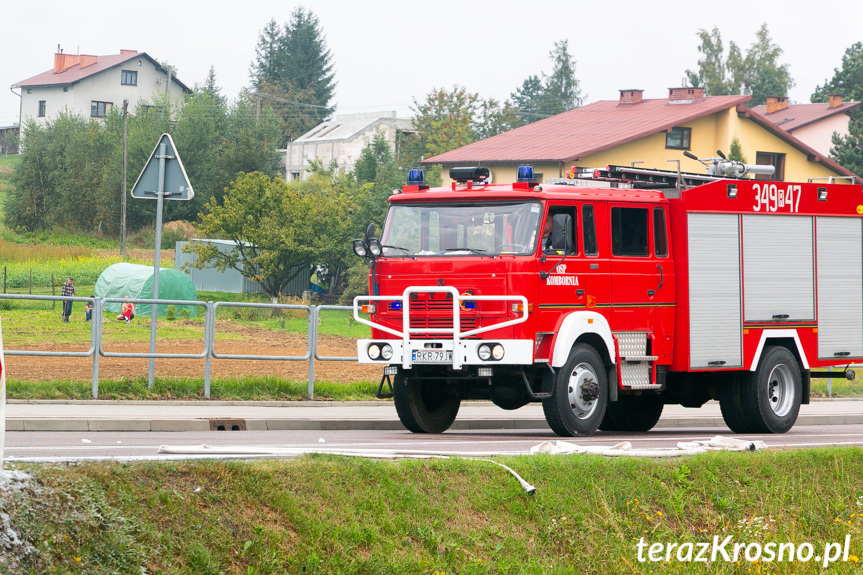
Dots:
pixel 51 446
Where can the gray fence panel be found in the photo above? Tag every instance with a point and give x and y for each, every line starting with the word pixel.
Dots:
pixel 305 357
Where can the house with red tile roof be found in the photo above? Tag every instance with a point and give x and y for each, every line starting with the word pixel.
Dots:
pixel 90 86
pixel 652 133
pixel 812 123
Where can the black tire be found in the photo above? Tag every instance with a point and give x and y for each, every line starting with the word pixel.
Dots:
pixel 607 424
pixel 580 395
pixel 772 393
pixel 635 413
pixel 423 405
pixel 731 405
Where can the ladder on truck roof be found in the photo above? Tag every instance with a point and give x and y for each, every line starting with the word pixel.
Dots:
pixel 643 178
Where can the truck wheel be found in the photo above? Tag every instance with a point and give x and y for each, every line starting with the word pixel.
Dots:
pixel 635 413
pixel 424 405
pixel 771 395
pixel 577 403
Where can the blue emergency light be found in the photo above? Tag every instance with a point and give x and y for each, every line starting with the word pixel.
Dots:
pixel 395 305
pixel 524 174
pixel 416 177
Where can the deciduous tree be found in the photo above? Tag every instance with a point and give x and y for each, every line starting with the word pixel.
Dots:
pixel 279 229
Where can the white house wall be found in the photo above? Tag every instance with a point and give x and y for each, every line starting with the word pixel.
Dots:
pixel 102 87
pixel 819 134
pixel 345 152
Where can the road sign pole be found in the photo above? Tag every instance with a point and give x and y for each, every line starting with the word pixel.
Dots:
pixel 154 309
pixel 171 182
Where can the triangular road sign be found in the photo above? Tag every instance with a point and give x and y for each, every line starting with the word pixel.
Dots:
pixel 176 184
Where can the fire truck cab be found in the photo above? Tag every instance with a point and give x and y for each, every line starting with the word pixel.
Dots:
pixel 610 294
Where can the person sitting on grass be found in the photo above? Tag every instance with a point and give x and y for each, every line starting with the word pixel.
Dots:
pixel 127 311
pixel 88 310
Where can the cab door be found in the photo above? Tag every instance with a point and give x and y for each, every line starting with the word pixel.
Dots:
pixel 576 279
pixel 640 267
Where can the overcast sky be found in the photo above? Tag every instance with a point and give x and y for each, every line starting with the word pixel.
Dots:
pixel 389 52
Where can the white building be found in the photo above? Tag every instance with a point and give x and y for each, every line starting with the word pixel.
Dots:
pixel 341 139
pixel 814 124
pixel 89 86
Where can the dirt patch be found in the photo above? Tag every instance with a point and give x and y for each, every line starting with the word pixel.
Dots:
pixel 254 342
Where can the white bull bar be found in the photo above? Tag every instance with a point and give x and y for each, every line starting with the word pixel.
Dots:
pixel 408 344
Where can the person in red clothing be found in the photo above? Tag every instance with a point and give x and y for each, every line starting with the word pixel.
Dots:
pixel 127 311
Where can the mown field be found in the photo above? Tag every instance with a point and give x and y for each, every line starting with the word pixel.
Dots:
pixel 330 514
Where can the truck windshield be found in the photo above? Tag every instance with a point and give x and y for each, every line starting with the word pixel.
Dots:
pixel 461 229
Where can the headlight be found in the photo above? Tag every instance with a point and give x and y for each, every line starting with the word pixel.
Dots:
pixel 484 352
pixel 387 352
pixel 360 248
pixel 375 247
pixel 497 351
pixel 374 351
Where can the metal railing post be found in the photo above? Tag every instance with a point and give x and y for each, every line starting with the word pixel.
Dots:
pixel 209 337
pixel 96 338
pixel 313 347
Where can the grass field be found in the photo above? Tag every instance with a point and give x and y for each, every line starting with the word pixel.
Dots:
pixel 330 514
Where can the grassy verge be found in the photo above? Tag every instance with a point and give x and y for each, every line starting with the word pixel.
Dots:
pixel 328 514
pixel 235 389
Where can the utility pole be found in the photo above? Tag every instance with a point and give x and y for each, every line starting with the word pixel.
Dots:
pixel 123 187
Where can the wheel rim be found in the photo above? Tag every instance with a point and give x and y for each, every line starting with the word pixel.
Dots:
pixel 583 390
pixel 780 390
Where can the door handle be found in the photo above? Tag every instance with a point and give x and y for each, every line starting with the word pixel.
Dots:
pixel 651 292
pixel 661 277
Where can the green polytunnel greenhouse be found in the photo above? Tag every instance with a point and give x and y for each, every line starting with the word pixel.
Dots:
pixel 136 281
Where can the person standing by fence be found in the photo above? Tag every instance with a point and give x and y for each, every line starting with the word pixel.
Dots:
pixel 68 290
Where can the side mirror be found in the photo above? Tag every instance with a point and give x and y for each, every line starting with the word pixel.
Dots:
pixel 561 233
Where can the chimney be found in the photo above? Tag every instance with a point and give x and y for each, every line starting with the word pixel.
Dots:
pixel 631 96
pixel 776 103
pixel 685 94
pixel 835 100
pixel 63 61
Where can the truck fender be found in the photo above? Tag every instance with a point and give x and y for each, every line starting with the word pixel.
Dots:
pixel 779 334
pixel 574 326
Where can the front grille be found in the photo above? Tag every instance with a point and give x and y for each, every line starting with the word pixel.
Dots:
pixel 430 305
pixel 419 323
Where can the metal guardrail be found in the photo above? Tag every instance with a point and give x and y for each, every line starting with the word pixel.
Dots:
pixel 209 342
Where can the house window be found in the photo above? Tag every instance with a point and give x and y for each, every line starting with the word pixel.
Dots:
pixel 129 78
pixel 678 138
pixel 771 159
pixel 41 108
pixel 99 109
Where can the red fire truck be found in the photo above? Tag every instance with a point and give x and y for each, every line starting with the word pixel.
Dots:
pixel 608 295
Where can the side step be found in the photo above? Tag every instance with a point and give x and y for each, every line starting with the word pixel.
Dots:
pixel 636 368
pixel 530 392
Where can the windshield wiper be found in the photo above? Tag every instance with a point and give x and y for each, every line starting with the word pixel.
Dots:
pixel 396 248
pixel 471 250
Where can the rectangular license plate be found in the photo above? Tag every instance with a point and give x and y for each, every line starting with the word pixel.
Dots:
pixel 431 356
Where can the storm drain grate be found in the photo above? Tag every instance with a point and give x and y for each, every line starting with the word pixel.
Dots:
pixel 227 424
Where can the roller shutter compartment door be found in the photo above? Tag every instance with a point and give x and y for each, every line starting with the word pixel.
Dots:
pixel 840 287
pixel 714 291
pixel 778 270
